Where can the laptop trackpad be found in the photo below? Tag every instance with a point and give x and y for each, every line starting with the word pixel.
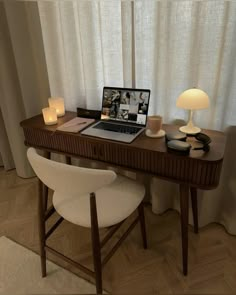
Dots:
pixel 92 131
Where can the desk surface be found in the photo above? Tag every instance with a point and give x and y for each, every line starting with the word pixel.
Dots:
pixel 146 154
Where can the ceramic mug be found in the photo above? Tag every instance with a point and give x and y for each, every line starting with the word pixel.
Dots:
pixel 154 124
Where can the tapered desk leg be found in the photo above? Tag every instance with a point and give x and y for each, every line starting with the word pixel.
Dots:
pixel 68 160
pixel 193 191
pixel 184 197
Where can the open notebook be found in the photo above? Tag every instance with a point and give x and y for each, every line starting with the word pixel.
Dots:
pixel 75 125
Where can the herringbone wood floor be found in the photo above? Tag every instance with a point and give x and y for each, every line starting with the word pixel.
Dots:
pixel 212 253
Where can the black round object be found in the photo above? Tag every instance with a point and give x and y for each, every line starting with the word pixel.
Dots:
pixel 205 139
pixel 179 145
pixel 176 136
pixel 206 148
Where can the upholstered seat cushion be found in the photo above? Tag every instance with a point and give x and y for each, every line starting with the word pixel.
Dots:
pixel 115 202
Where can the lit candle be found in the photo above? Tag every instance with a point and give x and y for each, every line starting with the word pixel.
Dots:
pixel 58 104
pixel 49 116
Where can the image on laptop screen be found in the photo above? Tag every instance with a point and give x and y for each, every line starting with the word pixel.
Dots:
pixel 125 105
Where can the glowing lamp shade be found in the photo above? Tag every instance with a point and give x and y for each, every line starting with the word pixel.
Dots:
pixel 192 99
pixel 58 104
pixel 49 116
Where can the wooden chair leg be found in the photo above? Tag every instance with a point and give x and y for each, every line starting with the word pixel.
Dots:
pixel 41 224
pixel 193 191
pixel 142 224
pixel 96 244
pixel 45 197
pixel 46 155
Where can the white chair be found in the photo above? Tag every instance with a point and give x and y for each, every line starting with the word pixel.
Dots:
pixel 91 198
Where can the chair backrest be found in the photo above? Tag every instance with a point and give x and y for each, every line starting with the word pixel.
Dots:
pixel 67 178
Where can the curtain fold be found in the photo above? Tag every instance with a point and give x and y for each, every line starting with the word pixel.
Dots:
pixel 74 48
pixel 24 87
pixel 11 107
pixel 6 158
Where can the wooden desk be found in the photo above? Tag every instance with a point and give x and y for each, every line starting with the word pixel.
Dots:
pixel 148 155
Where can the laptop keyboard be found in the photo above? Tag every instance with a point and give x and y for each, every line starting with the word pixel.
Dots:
pixel 118 128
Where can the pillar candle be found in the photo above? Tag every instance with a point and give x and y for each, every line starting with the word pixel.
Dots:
pixel 58 104
pixel 49 116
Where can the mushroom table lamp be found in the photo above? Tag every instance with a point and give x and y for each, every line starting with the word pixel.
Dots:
pixel 192 99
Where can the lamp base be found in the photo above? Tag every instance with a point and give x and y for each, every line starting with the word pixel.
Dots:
pixel 190 130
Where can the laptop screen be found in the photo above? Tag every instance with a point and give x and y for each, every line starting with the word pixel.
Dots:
pixel 125 105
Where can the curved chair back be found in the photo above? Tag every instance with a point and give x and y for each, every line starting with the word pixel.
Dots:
pixel 66 178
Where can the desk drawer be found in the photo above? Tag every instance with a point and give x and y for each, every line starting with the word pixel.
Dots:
pixel 91 149
pixel 65 143
pixel 204 174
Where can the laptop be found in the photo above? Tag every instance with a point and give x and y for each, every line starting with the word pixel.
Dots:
pixel 123 116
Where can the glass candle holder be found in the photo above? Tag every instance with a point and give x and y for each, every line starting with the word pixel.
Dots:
pixel 58 104
pixel 49 116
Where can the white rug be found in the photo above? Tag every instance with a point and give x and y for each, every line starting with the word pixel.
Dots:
pixel 20 273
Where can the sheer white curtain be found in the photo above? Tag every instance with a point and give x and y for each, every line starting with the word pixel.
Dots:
pixel 74 48
pixel 177 45
pixel 87 45
pixel 185 44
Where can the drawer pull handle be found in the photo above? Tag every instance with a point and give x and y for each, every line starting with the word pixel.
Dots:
pixel 101 152
pixel 94 151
